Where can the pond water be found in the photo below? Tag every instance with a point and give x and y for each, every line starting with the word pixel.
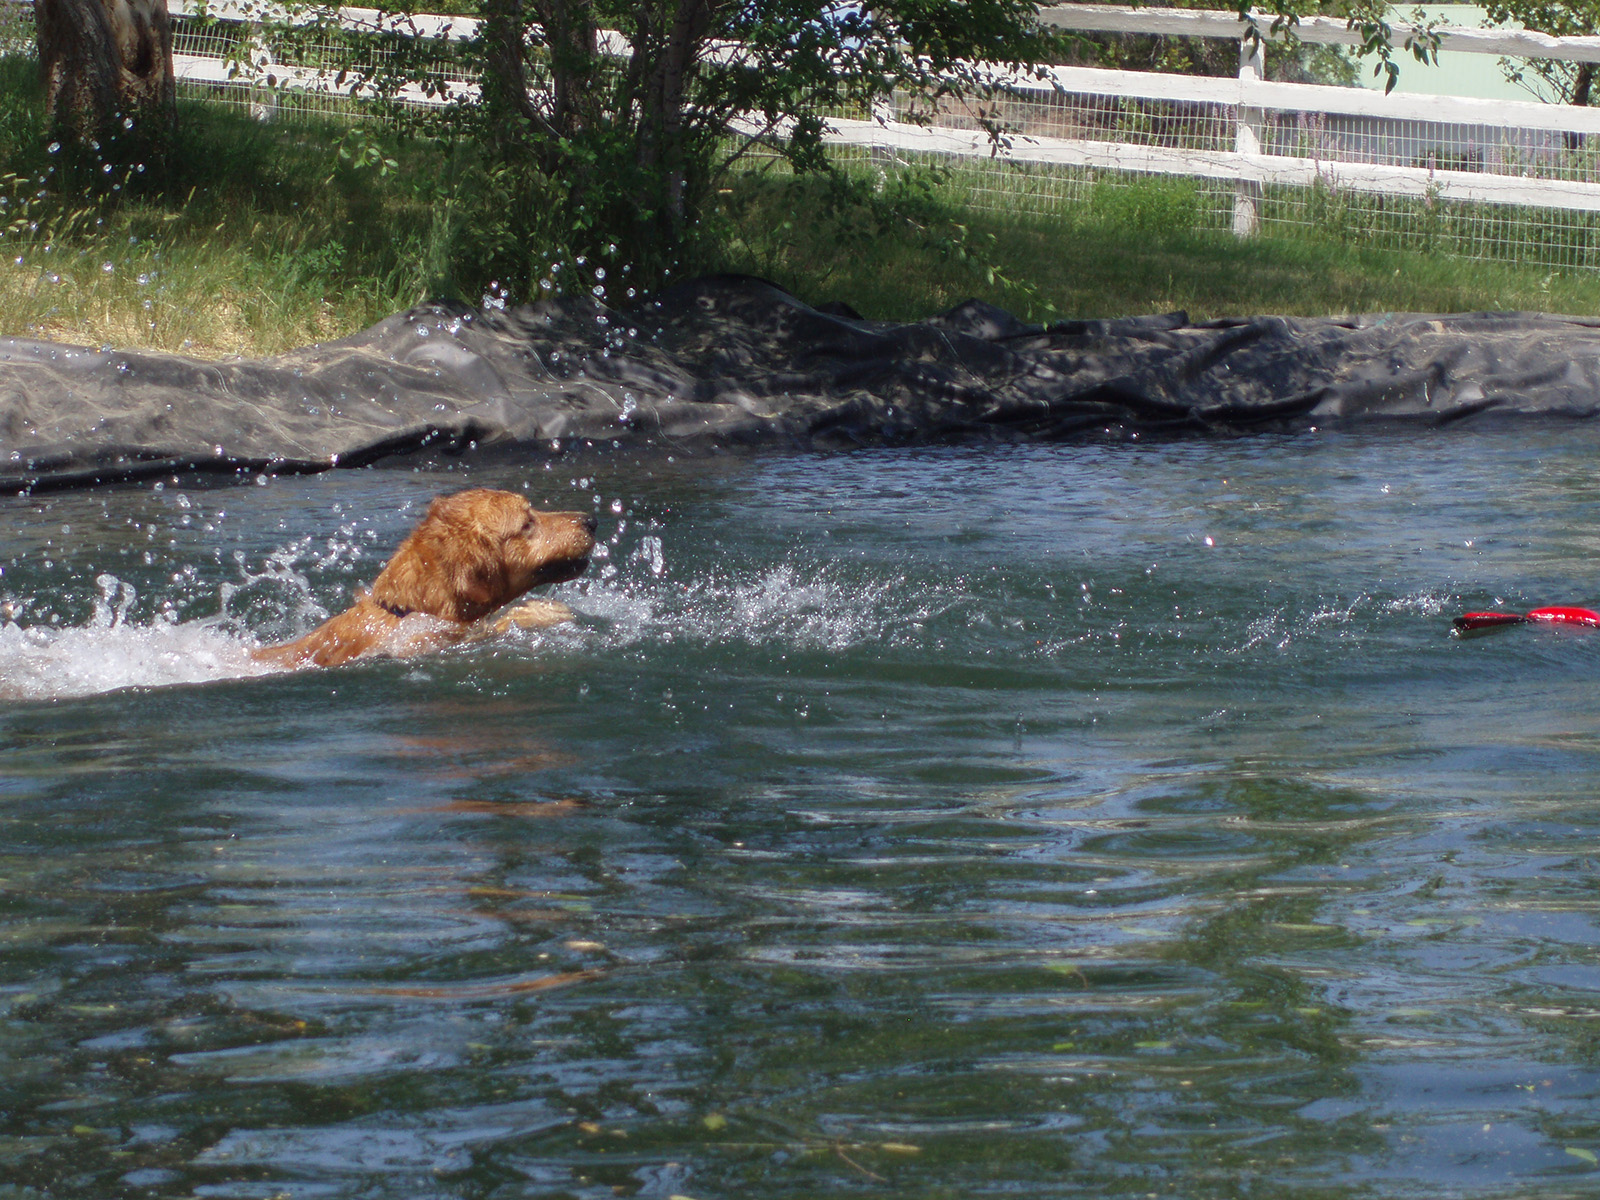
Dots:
pixel 1031 821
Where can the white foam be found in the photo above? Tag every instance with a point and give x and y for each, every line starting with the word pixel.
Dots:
pixel 44 663
pixel 110 651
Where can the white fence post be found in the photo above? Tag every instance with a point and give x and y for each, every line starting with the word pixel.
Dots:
pixel 1247 138
pixel 882 152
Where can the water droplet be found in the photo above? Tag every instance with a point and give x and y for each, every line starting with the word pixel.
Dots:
pixel 107 268
pixel 599 272
pixel 54 147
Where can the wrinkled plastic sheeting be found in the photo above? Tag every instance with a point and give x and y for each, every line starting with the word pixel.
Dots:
pixel 731 361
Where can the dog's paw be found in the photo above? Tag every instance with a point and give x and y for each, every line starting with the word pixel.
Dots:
pixel 533 614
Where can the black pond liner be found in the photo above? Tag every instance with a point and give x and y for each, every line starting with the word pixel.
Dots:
pixel 734 362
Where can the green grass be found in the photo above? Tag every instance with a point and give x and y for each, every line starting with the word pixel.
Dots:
pixel 261 238
pixel 1126 250
pixel 258 239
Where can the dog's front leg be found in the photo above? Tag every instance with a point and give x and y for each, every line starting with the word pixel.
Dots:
pixel 532 614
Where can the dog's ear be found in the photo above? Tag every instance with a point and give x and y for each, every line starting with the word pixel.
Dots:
pixel 476 576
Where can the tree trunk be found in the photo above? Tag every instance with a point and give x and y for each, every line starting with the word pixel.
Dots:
pixel 662 117
pixel 573 40
pixel 1582 84
pixel 107 69
pixel 506 75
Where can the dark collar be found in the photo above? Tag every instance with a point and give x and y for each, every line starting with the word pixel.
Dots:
pixel 395 610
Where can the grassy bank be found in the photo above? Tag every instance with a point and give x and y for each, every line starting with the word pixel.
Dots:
pixel 264 237
pixel 1130 249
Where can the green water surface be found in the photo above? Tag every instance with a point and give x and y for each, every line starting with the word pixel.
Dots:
pixel 1038 822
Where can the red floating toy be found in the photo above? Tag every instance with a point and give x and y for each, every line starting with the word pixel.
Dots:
pixel 1483 622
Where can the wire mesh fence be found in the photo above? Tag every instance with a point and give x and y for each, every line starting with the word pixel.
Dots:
pixel 1328 147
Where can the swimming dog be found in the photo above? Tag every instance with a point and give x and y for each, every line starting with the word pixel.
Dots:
pixel 472 554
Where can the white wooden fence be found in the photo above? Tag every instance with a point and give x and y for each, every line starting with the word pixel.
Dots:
pixel 1525 175
pixel 1530 170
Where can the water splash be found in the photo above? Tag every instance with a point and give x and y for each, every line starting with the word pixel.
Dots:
pixel 111 652
pixel 126 643
pixel 795 605
pixel 192 628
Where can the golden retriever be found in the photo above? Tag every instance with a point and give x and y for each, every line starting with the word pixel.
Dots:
pixel 474 553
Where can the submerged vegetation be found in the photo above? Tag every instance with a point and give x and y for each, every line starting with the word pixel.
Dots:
pixel 262 237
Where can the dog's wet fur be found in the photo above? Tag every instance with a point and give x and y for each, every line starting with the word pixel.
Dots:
pixel 474 553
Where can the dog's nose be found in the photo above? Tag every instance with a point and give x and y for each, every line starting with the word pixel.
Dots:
pixel 591 523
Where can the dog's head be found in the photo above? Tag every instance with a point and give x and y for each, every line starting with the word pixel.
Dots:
pixel 479 549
